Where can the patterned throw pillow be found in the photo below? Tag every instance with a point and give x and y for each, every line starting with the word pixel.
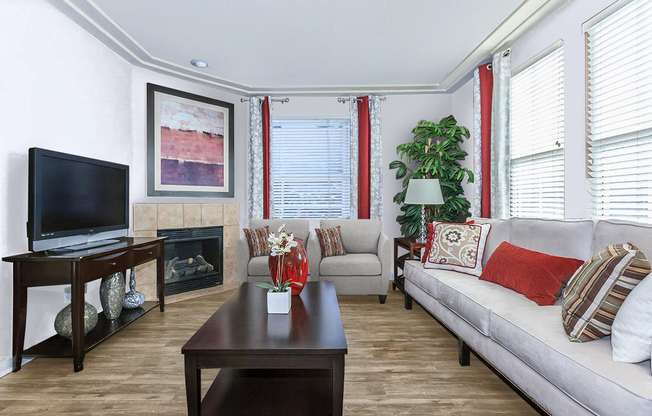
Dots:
pixel 330 241
pixel 598 288
pixel 457 247
pixel 257 239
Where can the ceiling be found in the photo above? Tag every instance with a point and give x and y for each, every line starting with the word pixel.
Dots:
pixel 310 47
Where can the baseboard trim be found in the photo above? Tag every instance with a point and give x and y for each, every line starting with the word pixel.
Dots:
pixel 6 365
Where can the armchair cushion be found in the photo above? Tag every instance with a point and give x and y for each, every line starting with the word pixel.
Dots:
pixel 258 266
pixel 330 241
pixel 358 236
pixel 257 240
pixel 357 264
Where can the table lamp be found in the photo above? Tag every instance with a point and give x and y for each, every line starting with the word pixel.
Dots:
pixel 423 192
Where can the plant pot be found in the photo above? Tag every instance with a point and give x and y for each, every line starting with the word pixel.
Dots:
pixel 295 267
pixel 279 302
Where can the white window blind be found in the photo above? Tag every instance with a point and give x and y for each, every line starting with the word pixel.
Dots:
pixel 619 123
pixel 537 138
pixel 311 167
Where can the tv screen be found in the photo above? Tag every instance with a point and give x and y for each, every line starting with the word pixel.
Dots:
pixel 72 195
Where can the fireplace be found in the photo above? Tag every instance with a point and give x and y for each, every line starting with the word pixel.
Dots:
pixel 193 259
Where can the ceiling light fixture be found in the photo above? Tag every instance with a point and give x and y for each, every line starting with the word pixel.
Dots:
pixel 199 63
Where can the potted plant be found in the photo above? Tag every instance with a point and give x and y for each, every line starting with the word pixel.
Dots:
pixel 435 152
pixel 279 295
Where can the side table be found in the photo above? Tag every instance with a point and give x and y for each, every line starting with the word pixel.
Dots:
pixel 413 253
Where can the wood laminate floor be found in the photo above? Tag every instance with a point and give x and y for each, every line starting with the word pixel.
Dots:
pixel 399 363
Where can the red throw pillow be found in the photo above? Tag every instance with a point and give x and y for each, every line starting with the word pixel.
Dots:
pixel 431 229
pixel 537 275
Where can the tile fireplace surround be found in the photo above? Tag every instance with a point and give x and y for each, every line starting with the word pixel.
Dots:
pixel 149 218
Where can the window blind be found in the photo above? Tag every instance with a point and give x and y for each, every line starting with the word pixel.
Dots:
pixel 537 138
pixel 311 167
pixel 619 113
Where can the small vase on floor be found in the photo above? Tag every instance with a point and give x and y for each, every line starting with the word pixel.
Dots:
pixel 63 321
pixel 112 292
pixel 133 299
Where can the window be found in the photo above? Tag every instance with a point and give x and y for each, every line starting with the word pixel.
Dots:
pixel 311 167
pixel 537 143
pixel 619 113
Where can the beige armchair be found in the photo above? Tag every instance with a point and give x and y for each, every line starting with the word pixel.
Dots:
pixel 365 269
pixel 255 269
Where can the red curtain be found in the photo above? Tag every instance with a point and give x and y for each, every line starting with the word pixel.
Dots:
pixel 364 162
pixel 266 144
pixel 486 92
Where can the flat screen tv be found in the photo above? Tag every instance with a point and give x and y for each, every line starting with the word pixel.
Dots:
pixel 74 199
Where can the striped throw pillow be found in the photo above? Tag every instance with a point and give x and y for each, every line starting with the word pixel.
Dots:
pixel 257 239
pixel 330 241
pixel 598 289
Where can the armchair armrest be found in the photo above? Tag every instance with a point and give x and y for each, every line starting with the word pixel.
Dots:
pixel 384 254
pixel 243 260
pixel 313 249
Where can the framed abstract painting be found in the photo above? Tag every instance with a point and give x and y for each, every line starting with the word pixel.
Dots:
pixel 189 144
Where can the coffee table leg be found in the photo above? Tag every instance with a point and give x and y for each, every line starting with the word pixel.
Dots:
pixel 193 386
pixel 338 385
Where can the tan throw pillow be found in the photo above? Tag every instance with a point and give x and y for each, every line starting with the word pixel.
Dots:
pixel 598 289
pixel 330 241
pixel 457 247
pixel 257 239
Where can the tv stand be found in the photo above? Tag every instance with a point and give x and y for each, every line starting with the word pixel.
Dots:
pixel 76 269
pixel 83 246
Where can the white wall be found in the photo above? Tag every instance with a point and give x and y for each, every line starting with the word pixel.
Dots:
pixel 565 24
pixel 400 113
pixel 60 89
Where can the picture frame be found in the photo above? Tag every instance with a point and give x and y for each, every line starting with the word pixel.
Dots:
pixel 190 144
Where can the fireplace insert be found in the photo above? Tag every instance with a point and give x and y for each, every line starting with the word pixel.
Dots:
pixel 193 259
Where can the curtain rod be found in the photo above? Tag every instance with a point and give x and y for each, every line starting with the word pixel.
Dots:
pixel 343 100
pixel 274 100
pixel 505 55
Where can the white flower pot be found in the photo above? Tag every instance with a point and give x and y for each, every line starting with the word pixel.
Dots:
pixel 279 302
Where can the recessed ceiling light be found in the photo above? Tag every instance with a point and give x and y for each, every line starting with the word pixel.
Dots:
pixel 199 63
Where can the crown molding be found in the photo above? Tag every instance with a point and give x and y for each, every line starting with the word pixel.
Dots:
pixel 99 25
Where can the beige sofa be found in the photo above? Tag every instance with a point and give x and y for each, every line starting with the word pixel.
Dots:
pixel 527 343
pixel 365 269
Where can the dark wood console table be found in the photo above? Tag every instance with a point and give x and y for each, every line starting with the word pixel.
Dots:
pixel 76 269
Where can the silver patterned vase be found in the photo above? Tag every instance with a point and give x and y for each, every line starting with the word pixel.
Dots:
pixel 133 299
pixel 63 321
pixel 112 292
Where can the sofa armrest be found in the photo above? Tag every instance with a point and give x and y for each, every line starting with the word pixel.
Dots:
pixel 384 253
pixel 243 260
pixel 313 250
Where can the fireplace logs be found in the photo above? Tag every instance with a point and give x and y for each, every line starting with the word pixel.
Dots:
pixel 190 266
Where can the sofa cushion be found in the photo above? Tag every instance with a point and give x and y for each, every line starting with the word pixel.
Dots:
pixel 614 232
pixel 358 236
pixel 537 275
pixel 457 247
pixel 258 266
pixel 585 372
pixel 298 228
pixel 425 279
pixel 573 239
pixel 631 333
pixel 499 233
pixel 362 264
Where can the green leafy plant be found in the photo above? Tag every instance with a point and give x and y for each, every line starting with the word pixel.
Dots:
pixel 435 152
pixel 283 287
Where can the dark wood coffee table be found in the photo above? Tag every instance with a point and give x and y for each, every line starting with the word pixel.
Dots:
pixel 270 364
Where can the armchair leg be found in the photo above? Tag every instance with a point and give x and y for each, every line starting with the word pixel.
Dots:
pixel 464 353
pixel 382 298
pixel 408 302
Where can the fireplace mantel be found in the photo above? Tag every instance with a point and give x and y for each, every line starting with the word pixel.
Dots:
pixel 150 218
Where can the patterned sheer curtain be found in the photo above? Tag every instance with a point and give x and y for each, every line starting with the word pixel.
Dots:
pixel 500 134
pixel 477 146
pixel 376 166
pixel 353 114
pixel 255 177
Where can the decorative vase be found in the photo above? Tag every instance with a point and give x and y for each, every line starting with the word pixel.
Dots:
pixel 133 299
pixel 294 267
pixel 112 294
pixel 63 321
pixel 279 302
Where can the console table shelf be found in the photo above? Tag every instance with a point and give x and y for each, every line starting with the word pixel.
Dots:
pixel 59 347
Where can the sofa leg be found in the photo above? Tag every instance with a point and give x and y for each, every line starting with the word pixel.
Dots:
pixel 382 298
pixel 464 352
pixel 408 302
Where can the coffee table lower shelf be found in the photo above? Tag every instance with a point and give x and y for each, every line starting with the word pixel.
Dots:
pixel 281 392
